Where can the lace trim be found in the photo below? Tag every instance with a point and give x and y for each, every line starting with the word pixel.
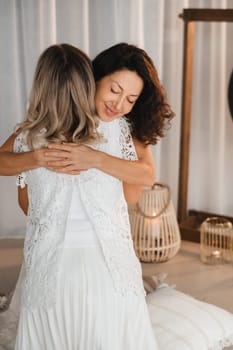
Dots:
pixel 21 180
pixel 20 147
pixel 126 141
pixel 117 133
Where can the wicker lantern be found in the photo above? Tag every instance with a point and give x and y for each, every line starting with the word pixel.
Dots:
pixel 154 226
pixel 216 241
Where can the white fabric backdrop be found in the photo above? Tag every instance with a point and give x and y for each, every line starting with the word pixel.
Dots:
pixel 28 26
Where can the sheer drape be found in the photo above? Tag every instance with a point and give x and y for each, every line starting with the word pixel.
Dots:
pixel 28 26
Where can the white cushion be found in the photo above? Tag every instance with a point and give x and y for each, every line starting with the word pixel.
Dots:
pixel 181 322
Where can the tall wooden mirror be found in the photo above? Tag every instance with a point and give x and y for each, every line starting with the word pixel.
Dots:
pixel 190 220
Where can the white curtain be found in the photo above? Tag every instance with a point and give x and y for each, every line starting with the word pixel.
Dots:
pixel 28 26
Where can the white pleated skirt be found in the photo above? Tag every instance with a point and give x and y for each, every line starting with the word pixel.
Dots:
pixel 89 314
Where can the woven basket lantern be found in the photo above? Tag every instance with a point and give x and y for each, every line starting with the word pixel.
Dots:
pixel 154 226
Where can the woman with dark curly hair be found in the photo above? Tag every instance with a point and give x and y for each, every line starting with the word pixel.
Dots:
pixel 127 86
pixel 150 112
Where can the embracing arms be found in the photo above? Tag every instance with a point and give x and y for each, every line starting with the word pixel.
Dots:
pixel 134 174
pixel 79 157
pixel 72 159
pixel 15 163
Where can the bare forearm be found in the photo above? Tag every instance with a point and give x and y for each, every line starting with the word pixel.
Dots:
pixel 15 163
pixel 133 172
pixel 79 157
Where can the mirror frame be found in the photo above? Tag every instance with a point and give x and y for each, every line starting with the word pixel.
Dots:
pixel 190 221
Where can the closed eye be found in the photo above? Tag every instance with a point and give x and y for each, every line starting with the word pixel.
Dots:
pixel 132 102
pixel 115 91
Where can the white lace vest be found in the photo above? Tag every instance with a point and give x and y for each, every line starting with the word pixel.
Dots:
pixel 49 201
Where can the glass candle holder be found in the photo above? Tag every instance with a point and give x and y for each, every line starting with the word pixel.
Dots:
pixel 216 241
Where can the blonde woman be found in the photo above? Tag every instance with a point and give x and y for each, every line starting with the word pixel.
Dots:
pixel 83 285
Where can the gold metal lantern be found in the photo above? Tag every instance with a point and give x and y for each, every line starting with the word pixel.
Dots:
pixel 154 226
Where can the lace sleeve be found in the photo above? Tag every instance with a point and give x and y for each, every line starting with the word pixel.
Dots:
pixel 19 147
pixel 126 141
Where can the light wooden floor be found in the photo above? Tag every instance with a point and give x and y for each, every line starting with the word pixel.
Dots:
pixel 11 255
pixel 213 284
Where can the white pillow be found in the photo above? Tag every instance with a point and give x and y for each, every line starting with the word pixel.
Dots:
pixel 181 322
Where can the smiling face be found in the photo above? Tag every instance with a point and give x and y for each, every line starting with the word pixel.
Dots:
pixel 117 93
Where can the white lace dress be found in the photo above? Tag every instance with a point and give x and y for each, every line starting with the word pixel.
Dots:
pixel 97 299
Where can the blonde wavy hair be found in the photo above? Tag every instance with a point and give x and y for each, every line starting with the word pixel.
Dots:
pixel 61 104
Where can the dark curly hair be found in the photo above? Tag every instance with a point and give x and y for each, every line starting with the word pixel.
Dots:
pixel 151 113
